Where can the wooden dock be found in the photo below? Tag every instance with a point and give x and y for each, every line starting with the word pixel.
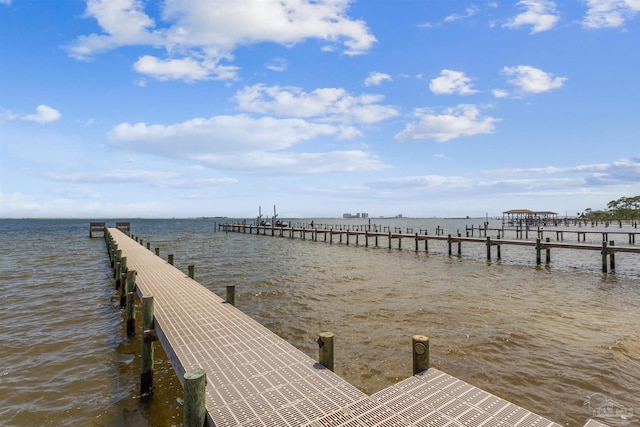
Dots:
pixel 255 378
pixel 372 238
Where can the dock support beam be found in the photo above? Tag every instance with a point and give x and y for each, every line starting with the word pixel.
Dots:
pixel 325 341
pixel 195 411
pixel 420 353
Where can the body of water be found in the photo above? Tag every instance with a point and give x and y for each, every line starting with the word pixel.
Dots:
pixel 544 337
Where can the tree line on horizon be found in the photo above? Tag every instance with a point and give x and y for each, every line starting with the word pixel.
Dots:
pixel 622 208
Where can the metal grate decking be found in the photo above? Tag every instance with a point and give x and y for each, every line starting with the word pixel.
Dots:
pixel 255 378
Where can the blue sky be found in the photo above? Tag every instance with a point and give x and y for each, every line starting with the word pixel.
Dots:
pixel 182 108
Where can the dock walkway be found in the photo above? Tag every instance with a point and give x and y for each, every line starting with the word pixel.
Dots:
pixel 255 378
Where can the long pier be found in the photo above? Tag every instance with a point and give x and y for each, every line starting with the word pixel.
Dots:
pixel 607 249
pixel 255 378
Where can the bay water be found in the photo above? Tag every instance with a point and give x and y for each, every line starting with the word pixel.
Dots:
pixel 554 339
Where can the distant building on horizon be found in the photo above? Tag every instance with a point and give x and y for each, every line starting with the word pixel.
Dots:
pixel 357 215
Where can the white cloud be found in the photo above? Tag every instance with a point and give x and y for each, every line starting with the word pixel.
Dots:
pixel 277 64
pixel 199 34
pixel 463 120
pixel 622 171
pixel 123 22
pixel 375 78
pixel 540 14
pixel 281 164
pixel 197 138
pixel 529 79
pixel 128 175
pixel 469 12
pixel 246 145
pixel 328 104
pixel 609 13
pixel 500 93
pixel 451 82
pixel 188 69
pixel 6 2
pixel 44 114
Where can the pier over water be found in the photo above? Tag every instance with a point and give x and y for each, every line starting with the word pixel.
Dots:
pixel 255 378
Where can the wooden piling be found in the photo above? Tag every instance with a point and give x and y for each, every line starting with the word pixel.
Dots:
pixel 604 256
pixel 548 252
pixel 488 248
pixel 130 276
pixel 538 252
pixel 146 374
pixel 192 271
pixel 231 294
pixel 325 341
pixel 195 410
pixel 131 297
pixel 612 257
pixel 420 345
pixel 157 251
pixel 170 259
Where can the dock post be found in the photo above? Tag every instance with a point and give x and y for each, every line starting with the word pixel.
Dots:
pixel 122 291
pixel 116 263
pixel 149 246
pixel 122 272
pixel 488 248
pixel 130 302
pixel 192 269
pixel 157 251
pixel 195 410
pixel 146 369
pixel 170 259
pixel 420 353
pixel 538 252
pixel 459 247
pixel 498 255
pixel 389 237
pixel 612 257
pixel 449 243
pixel 325 341
pixel 548 252
pixel 416 242
pixel 604 256
pixel 231 294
